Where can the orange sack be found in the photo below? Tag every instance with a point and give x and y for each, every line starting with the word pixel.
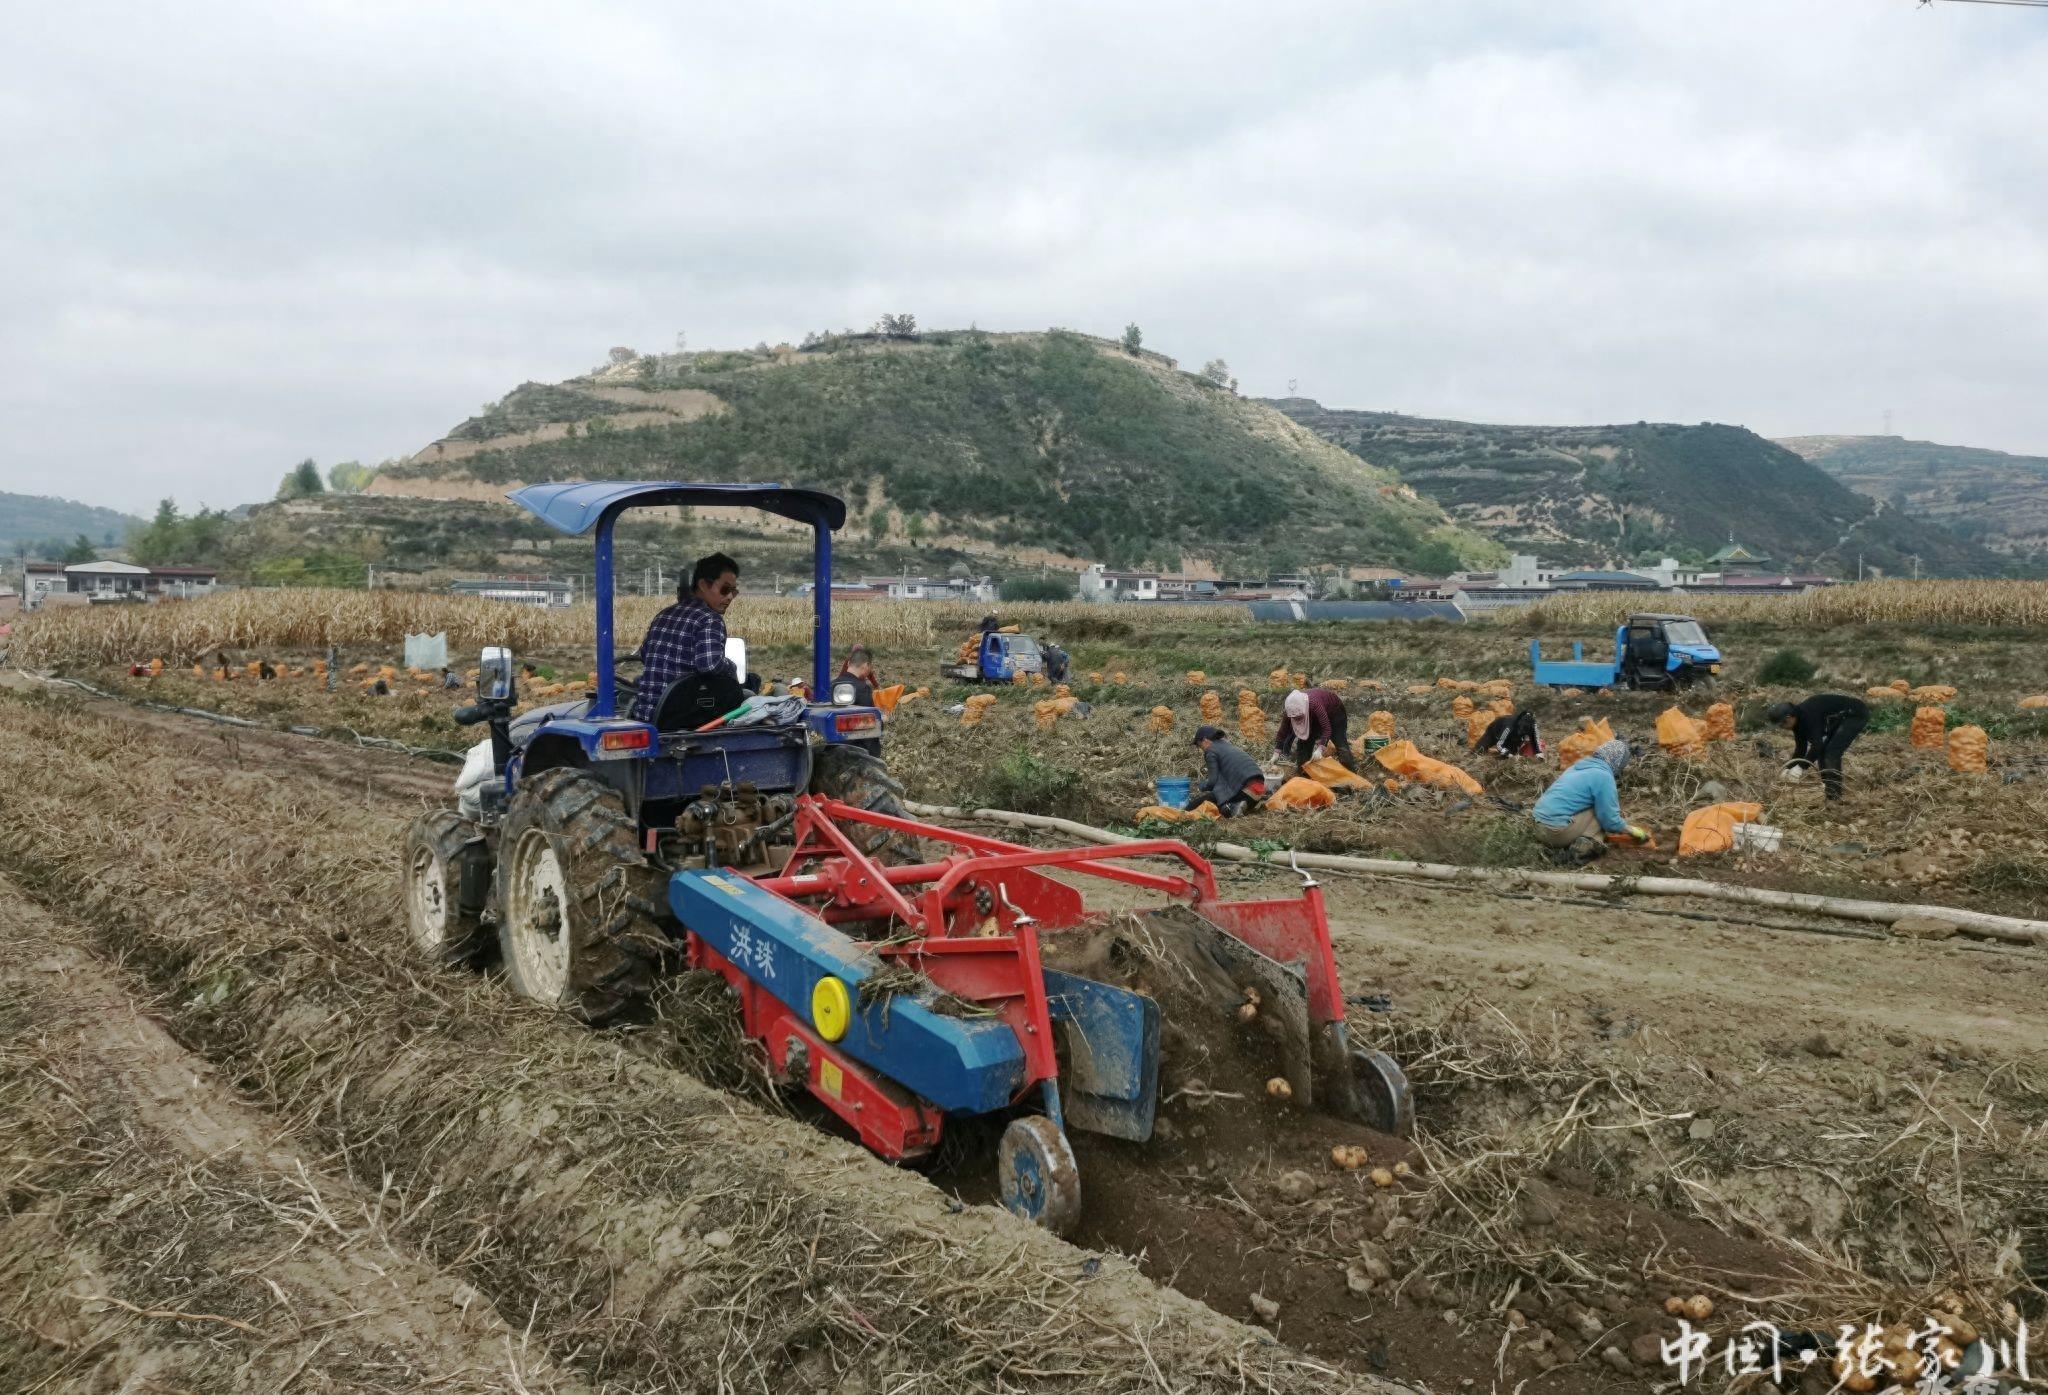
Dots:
pixel 1212 708
pixel 1330 772
pixel 1404 760
pixel 1929 727
pixel 1583 742
pixel 1933 692
pixel 1461 706
pixel 1160 719
pixel 1160 813
pixel 887 698
pixel 1680 735
pixel 1381 724
pixel 1476 724
pixel 2038 700
pixel 1301 793
pixel 1966 747
pixel 1720 724
pixel 1712 829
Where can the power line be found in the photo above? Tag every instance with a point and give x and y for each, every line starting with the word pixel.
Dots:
pixel 2016 4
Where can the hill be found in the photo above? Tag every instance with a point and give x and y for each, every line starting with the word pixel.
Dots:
pixel 1590 494
pixel 31 520
pixel 1054 446
pixel 1997 499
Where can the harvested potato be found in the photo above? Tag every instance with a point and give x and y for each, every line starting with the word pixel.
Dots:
pixel 1382 1178
pixel 1279 1089
pixel 1699 1307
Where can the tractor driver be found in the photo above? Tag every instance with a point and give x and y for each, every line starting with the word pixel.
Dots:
pixel 688 638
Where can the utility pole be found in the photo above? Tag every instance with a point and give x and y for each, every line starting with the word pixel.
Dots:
pixel 1916 566
pixel 1887 421
pixel 1859 566
pixel 369 576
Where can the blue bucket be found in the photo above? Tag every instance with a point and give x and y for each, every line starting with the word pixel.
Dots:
pixel 1172 790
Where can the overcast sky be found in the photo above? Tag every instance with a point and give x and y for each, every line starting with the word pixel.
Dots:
pixel 234 235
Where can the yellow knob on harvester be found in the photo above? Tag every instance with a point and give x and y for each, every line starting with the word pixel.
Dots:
pixel 831 1008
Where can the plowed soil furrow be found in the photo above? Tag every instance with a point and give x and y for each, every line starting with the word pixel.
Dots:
pixel 157 1233
pixel 658 1232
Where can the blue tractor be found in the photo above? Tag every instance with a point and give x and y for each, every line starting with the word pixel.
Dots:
pixel 625 797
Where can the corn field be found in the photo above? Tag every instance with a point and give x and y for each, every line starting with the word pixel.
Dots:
pixel 307 620
pixel 1996 604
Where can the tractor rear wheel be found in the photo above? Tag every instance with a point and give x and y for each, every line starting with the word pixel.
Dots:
pixel 582 923
pixel 437 847
pixel 854 776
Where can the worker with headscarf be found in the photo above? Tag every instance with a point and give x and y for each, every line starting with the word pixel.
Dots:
pixel 1583 804
pixel 1313 724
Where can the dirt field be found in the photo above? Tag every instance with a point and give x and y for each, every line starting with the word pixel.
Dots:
pixel 1619 1103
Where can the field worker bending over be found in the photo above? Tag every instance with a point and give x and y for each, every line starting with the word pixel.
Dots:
pixel 1232 779
pixel 1822 728
pixel 1315 725
pixel 687 640
pixel 1582 804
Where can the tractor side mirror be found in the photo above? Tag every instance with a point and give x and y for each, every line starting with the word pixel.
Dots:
pixel 495 675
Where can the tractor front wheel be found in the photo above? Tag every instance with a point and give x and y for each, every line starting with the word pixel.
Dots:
pixel 437 847
pixel 581 921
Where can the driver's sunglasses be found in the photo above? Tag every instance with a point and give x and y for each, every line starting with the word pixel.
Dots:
pixel 728 588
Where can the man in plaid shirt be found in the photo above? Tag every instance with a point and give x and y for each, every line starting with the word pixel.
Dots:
pixel 688 637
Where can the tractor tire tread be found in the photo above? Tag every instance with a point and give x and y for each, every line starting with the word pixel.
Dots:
pixel 619 919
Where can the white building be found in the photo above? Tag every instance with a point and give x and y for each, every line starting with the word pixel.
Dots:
pixel 1099 583
pixel 113 581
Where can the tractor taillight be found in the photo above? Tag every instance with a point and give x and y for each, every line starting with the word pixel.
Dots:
pixel 638 739
pixel 855 721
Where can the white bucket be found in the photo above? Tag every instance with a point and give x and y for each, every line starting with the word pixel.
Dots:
pixel 1758 837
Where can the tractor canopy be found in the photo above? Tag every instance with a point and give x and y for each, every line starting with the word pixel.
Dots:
pixel 577 508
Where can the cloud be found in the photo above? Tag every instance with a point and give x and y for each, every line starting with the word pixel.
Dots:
pixel 240 235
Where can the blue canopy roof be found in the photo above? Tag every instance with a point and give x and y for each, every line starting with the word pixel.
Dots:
pixel 576 508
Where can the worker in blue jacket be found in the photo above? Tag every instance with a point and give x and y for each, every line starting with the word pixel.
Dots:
pixel 1582 804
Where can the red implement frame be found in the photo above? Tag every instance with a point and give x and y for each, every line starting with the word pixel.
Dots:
pixel 970 921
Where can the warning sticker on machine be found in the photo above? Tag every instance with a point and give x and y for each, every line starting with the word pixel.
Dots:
pixel 723 885
pixel 831 1079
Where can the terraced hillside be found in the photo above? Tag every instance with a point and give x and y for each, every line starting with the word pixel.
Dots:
pixel 1997 499
pixel 1595 493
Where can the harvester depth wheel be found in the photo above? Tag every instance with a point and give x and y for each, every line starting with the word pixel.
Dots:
pixel 436 846
pixel 580 912
pixel 853 776
pixel 1039 1178
pixel 1385 1101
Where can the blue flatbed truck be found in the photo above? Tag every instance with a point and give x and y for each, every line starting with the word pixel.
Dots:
pixel 1650 652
